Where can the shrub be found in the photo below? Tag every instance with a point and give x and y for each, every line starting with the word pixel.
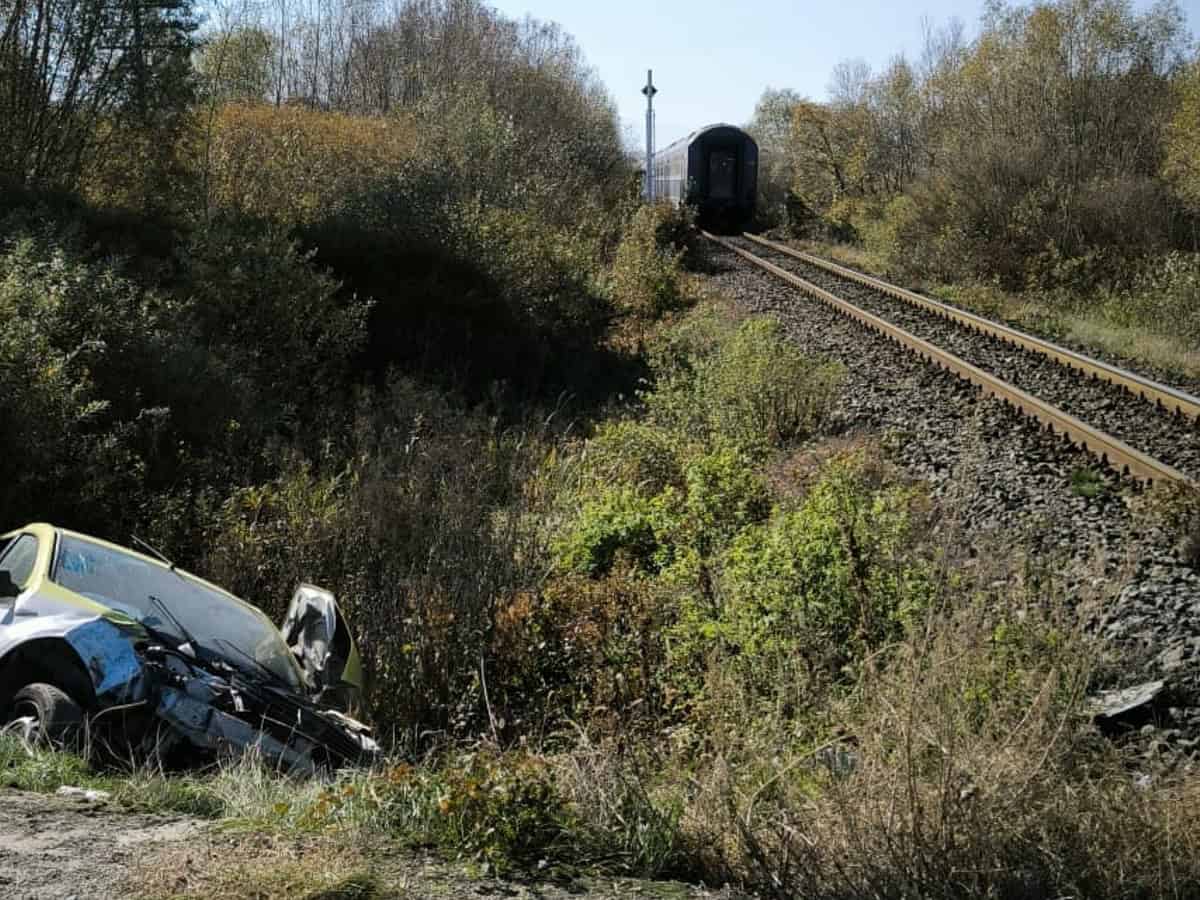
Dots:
pixel 754 389
pixel 478 270
pixel 930 791
pixel 723 495
pixel 645 273
pixel 585 650
pixel 600 636
pixel 621 521
pixel 636 454
pixel 710 498
pixel 126 386
pixel 81 352
pixel 1164 297
pixel 291 164
pixel 761 388
pixel 825 583
pixel 415 521
pixel 275 325
pixel 504 809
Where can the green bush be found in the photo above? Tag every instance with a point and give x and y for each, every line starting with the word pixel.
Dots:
pixel 710 498
pixel 677 356
pixel 480 268
pixel 625 557
pixel 504 809
pixel 275 327
pixel 80 348
pixel 1164 297
pixel 126 385
pixel 636 454
pixel 645 272
pixel 824 583
pixel 755 389
pixel 724 494
pixel 762 389
pixel 621 520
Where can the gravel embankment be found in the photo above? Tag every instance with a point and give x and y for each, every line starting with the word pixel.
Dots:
pixel 1013 483
pixel 1110 408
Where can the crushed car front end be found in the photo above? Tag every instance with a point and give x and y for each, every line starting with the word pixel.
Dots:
pixel 215 709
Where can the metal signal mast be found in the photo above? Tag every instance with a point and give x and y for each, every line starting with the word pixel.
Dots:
pixel 649 90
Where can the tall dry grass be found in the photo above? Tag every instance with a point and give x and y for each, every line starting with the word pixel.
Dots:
pixel 962 764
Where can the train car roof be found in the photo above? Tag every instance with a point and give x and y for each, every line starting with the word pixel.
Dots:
pixel 686 141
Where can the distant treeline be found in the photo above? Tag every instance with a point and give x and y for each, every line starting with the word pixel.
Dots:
pixel 1060 147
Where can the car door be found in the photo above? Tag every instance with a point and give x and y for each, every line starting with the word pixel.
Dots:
pixel 318 637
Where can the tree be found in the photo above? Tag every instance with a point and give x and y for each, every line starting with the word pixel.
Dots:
pixel 77 73
pixel 236 64
pixel 829 146
pixel 1043 140
pixel 771 127
pixel 897 117
pixel 1182 165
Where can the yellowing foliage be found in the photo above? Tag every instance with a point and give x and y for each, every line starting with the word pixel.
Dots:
pixel 290 163
pixel 1183 140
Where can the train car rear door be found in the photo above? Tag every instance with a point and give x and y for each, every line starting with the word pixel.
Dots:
pixel 722 174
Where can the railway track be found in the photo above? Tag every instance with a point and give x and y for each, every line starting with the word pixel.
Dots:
pixel 1132 424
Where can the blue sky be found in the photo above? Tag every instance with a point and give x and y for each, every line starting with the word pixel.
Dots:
pixel 713 58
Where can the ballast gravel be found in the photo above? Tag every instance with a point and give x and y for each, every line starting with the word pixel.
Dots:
pixel 1165 436
pixel 1189 384
pixel 1018 485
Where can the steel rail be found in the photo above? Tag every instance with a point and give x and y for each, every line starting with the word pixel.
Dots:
pixel 1163 396
pixel 1110 450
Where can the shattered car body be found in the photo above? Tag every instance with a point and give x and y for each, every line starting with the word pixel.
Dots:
pixel 96 636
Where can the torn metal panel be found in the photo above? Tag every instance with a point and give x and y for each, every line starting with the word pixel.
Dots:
pixel 208 728
pixel 108 655
pixel 320 641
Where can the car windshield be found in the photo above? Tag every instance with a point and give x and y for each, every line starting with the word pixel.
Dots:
pixel 131 585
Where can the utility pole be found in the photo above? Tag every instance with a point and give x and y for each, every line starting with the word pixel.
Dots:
pixel 649 90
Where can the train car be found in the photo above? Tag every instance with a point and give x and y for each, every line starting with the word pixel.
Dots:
pixel 716 170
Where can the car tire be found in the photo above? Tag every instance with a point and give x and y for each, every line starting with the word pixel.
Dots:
pixel 44 714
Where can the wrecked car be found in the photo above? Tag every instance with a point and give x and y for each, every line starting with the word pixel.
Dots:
pixel 103 643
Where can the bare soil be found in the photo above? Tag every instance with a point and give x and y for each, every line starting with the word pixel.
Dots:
pixel 59 847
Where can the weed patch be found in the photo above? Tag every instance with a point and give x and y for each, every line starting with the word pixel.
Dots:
pixel 1087 482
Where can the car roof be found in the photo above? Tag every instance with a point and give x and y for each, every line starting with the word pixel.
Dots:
pixel 46 531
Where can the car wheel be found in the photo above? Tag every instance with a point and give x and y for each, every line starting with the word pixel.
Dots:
pixel 43 714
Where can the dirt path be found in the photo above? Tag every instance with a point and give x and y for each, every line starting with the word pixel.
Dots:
pixel 60 847
pixel 63 848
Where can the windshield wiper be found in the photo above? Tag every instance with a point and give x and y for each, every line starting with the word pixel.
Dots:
pixel 262 667
pixel 194 646
pixel 189 642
